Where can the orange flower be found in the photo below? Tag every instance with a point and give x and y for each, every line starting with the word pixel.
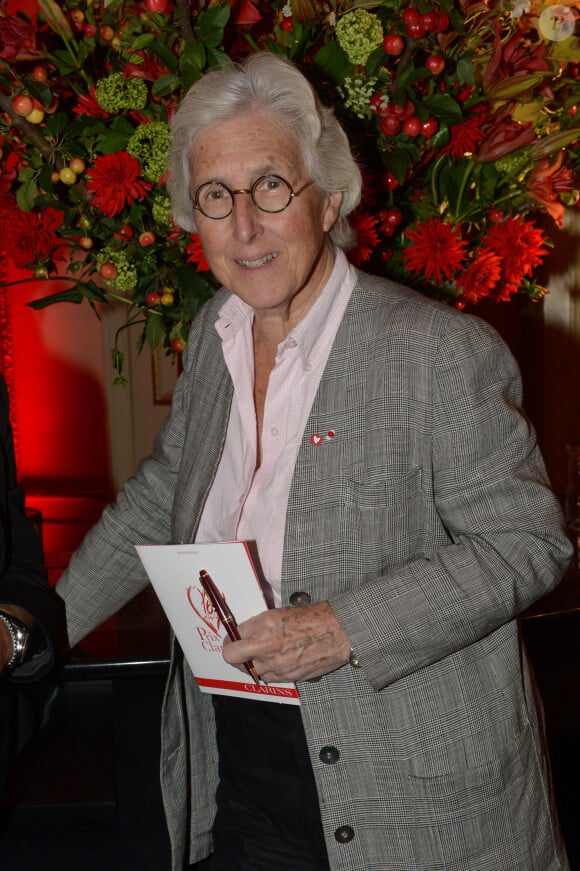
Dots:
pixel 545 183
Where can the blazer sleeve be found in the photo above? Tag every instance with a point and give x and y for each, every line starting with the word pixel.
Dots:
pixel 500 541
pixel 23 578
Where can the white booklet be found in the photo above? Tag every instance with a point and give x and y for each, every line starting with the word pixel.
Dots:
pixel 174 572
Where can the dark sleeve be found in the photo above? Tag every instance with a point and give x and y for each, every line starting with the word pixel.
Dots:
pixel 23 578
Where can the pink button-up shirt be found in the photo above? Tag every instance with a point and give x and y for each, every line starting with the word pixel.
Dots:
pixel 250 504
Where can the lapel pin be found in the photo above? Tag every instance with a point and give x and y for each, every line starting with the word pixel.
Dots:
pixel 316 439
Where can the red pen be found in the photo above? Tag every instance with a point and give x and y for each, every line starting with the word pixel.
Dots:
pixel 222 610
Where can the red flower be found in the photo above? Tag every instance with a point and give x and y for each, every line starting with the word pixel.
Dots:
pixel 196 254
pixel 436 250
pixel 114 181
pixel 31 236
pixel 18 39
pixel 517 56
pixel 521 246
pixel 481 276
pixel 150 70
pixel 505 136
pixel 87 104
pixel 546 181
pixel 464 138
pixel 466 135
pixel 366 237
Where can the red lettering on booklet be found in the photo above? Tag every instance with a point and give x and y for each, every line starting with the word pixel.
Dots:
pixel 210 642
pixel 201 604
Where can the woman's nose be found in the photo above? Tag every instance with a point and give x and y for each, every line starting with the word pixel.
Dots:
pixel 246 216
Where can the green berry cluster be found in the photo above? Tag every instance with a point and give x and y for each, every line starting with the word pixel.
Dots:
pixel 150 145
pixel 357 92
pixel 115 93
pixel 359 33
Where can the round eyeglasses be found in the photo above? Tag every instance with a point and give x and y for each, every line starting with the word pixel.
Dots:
pixel 269 193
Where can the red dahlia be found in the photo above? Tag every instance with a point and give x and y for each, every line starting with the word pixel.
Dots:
pixel 114 181
pixel 436 250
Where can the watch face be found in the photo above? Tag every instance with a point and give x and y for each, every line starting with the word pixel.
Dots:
pixel 20 635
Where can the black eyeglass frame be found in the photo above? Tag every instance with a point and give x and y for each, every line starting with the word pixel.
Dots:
pixel 292 194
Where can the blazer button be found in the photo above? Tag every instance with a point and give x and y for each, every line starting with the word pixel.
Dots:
pixel 344 834
pixel 298 599
pixel 329 755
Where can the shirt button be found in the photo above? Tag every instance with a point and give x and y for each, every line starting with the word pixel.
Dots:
pixel 344 834
pixel 299 599
pixel 329 755
pixel 308 367
pixel 292 343
pixel 274 431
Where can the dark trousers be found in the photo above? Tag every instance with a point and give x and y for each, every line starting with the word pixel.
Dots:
pixel 268 817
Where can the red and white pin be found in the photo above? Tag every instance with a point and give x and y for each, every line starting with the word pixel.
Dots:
pixel 317 439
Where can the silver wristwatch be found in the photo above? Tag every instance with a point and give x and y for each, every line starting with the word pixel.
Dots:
pixel 20 635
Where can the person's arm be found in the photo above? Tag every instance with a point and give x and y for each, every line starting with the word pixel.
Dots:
pixel 24 589
pixel 502 547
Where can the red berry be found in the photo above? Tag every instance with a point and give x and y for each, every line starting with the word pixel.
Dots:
pixel 288 25
pixel 442 22
pixel 435 64
pixel 410 16
pixel 178 345
pixel 40 74
pixel 89 30
pixel 379 105
pixel 393 43
pixel 146 238
pixel 108 271
pixel 390 125
pixel 416 31
pixel 152 298
pixel 106 33
pixel 22 105
pixel 156 5
pixel 496 216
pixel 429 20
pixel 412 126
pixel 429 127
pixel 393 218
pixel 389 181
pixel 404 111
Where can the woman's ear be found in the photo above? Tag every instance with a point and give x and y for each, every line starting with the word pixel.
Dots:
pixel 332 208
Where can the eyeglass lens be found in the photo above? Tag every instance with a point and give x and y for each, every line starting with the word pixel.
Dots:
pixel 270 193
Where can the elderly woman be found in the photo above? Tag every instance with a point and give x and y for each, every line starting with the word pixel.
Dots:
pixel 370 442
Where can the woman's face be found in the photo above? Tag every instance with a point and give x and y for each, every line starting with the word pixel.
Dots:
pixel 276 263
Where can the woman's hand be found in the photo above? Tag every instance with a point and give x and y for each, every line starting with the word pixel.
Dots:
pixel 289 644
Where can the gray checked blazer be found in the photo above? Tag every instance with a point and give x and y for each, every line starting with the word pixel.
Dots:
pixel 429 524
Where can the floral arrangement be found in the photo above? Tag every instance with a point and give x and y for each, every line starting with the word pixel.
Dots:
pixel 463 114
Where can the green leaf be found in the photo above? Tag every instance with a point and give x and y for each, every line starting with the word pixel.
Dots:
pixel 165 85
pixel 165 54
pixel 193 54
pixel 217 58
pixel 72 295
pixel 142 41
pixel 211 23
pixel 333 62
pixel 40 92
pixel 26 195
pixel 444 108
pixel 154 331
pixel 464 70
pixel 215 17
